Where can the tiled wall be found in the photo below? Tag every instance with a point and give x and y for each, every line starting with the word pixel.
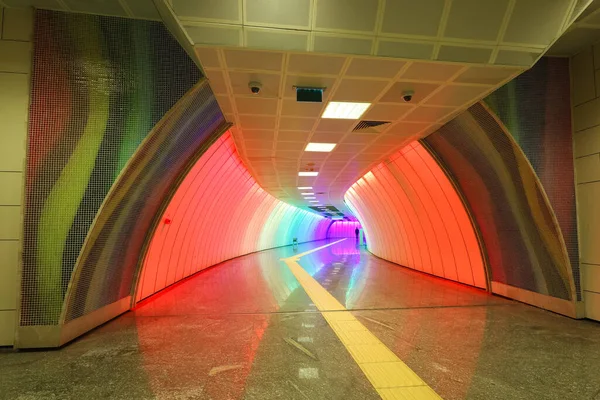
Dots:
pixel 585 81
pixel 16 28
pixel 99 86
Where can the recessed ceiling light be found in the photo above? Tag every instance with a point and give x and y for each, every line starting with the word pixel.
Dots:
pixel 307 173
pixel 321 147
pixel 313 201
pixel 345 110
pixel 307 194
pixel 310 198
pixel 304 187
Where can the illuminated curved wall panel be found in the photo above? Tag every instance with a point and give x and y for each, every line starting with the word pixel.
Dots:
pixel 220 212
pixel 342 229
pixel 413 216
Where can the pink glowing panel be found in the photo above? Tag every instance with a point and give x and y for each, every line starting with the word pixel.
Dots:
pixel 343 229
pixel 413 216
pixel 220 212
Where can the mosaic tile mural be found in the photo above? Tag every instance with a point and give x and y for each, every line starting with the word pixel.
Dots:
pixel 511 157
pixel 99 85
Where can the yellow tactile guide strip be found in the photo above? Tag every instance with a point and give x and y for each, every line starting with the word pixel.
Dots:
pixel 387 373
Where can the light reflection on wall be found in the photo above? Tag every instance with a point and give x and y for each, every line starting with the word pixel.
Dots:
pixel 342 229
pixel 220 212
pixel 413 216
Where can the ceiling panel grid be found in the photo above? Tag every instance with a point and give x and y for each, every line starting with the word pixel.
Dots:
pixel 272 129
pixel 480 31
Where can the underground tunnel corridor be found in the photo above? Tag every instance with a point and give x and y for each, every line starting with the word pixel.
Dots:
pixel 299 199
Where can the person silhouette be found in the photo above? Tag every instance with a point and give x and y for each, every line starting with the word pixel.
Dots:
pixel 356 231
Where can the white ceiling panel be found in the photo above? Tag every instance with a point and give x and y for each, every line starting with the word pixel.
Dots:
pixel 209 57
pixel 410 17
pixel 294 108
pixel 475 19
pixel 253 60
pixel 521 29
pixel 257 122
pixel 475 55
pixel 329 43
pixel 428 114
pixel 315 64
pixel 218 11
pixel 288 13
pixel 293 136
pixel 250 134
pixel 296 124
pixel 486 75
pixel 404 128
pixel 438 72
pixel 374 68
pixel 357 90
pixel 456 95
pixel 258 106
pixel 219 35
pixel 387 112
pixel 335 125
pixel 327 137
pixel 346 15
pixel 225 104
pixel 404 49
pixel 217 81
pixel 276 39
pixel 258 144
pixel 520 58
pixel 359 138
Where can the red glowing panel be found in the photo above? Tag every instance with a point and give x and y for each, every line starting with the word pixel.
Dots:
pixel 220 212
pixel 413 216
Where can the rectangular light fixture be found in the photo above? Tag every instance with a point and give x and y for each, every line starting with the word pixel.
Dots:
pixel 304 187
pixel 320 147
pixel 310 198
pixel 337 218
pixel 306 194
pixel 345 110
pixel 308 173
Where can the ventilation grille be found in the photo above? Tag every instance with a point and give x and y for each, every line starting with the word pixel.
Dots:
pixel 371 126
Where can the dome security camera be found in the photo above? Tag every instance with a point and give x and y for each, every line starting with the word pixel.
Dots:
pixel 407 95
pixel 255 87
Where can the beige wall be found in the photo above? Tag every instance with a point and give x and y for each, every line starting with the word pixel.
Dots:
pixel 16 30
pixel 585 81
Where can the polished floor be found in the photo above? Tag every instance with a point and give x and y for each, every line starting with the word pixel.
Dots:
pixel 247 329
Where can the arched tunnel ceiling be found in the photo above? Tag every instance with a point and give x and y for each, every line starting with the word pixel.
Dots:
pixel 272 129
pixel 451 52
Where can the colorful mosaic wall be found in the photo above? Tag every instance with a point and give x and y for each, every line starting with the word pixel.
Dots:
pixel 511 157
pixel 99 85
pixel 535 109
